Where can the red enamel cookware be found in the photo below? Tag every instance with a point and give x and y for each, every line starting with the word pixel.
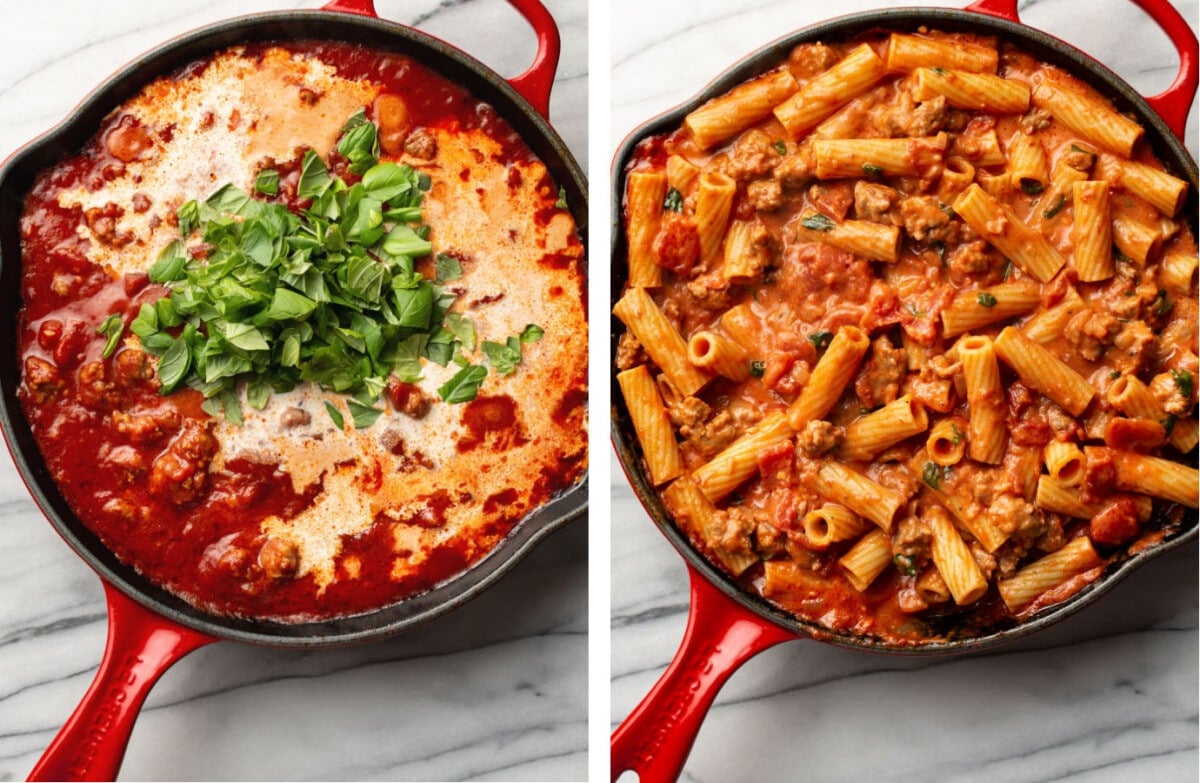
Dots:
pixel 727 625
pixel 148 628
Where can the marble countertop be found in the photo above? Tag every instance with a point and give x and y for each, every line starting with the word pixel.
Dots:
pixel 1109 694
pixel 496 690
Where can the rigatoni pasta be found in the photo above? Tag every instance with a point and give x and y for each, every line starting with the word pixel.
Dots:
pixel 944 338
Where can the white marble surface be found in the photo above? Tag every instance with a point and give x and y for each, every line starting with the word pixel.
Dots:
pixel 1107 695
pixel 494 691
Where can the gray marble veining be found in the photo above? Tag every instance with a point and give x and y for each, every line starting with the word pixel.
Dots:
pixel 494 691
pixel 1107 696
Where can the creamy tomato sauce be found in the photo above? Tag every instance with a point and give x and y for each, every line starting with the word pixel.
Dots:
pixel 289 516
pixel 805 290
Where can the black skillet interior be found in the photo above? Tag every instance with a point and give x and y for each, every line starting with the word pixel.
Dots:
pixel 66 139
pixel 1050 49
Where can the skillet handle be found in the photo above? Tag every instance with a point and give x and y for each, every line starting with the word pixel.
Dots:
pixel 141 646
pixel 1172 104
pixel 535 84
pixel 654 741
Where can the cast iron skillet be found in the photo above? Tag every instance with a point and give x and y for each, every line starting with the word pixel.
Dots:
pixel 149 629
pixel 726 624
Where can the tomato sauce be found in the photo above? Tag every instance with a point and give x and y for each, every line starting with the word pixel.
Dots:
pixel 142 471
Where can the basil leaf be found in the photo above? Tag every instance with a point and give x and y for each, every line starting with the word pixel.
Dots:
pixel 174 365
pixel 188 216
pixel 314 177
pixel 820 339
pixel 359 144
pixel 905 565
pixel 267 182
pixel 817 222
pixel 758 368
pixel 872 171
pixel 1031 186
pixel 1058 205
pixel 462 329
pixel 364 415
pixel 780 146
pixel 414 306
pixel 1183 382
pixel 562 198
pixel 532 333
pixel 336 415
pixel 503 357
pixel 146 322
pixel 170 264
pixel 464 386
pixel 386 181
pixel 113 327
pixel 403 241
pixel 229 199
pixel 673 201
pixel 287 304
pixel 986 299
pixel 933 474
pixel 447 268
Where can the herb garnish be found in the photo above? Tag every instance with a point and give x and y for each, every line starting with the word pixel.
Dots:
pixel 780 147
pixel 329 296
pixel 872 171
pixel 1169 424
pixel 957 434
pixel 562 198
pixel 905 565
pixel 820 339
pixel 1058 205
pixel 1031 187
pixel 757 368
pixel 817 222
pixel 112 328
pixel 986 299
pixel 267 182
pixel 1162 305
pixel 673 201
pixel 1183 382
pixel 934 474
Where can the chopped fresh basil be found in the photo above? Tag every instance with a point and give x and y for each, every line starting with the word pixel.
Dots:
pixel 820 340
pixel 562 198
pixel 780 147
pixel 934 474
pixel 673 201
pixel 267 182
pixel 1058 205
pixel 363 415
pixel 905 565
pixel 447 268
pixel 986 299
pixel 817 222
pixel 503 357
pixel 314 177
pixel 1007 270
pixel 757 368
pixel 336 415
pixel 464 385
pixel 112 327
pixel 872 171
pixel 170 264
pixel 939 71
pixel 1031 187
pixel 1162 305
pixel 1183 382
pixel 532 333
pixel 956 434
pixel 1077 148
pixel 359 143
pixel 462 329
pixel 1169 424
pixel 1114 374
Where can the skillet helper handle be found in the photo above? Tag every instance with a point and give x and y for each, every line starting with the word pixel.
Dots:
pixel 535 84
pixel 656 738
pixel 1173 103
pixel 141 646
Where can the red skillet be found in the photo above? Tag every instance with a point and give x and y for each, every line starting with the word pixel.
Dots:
pixel 148 629
pixel 727 626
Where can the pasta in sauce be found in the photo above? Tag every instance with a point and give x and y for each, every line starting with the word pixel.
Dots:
pixel 921 315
